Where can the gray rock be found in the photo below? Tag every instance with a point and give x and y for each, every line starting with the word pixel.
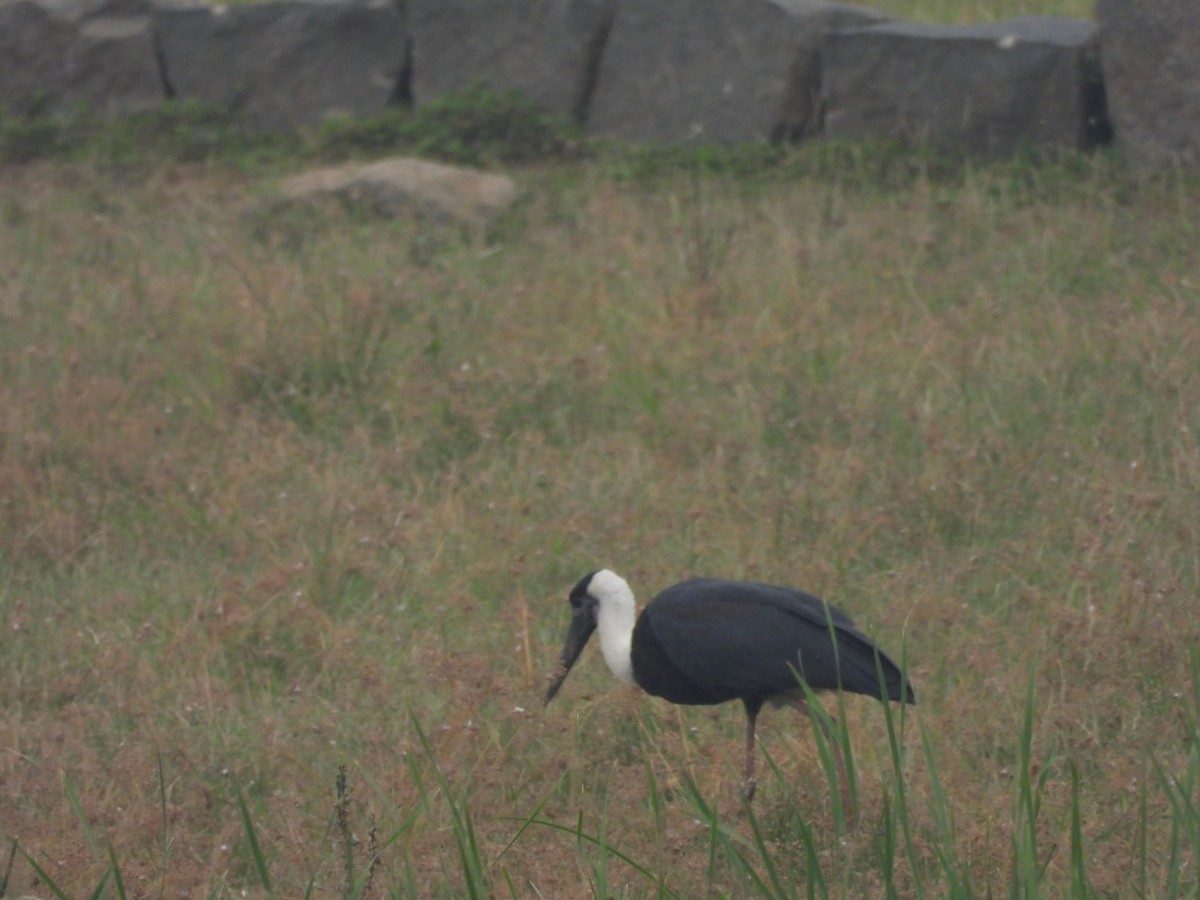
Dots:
pixel 1151 55
pixel 394 188
pixel 801 113
pixel 286 64
pixel 546 49
pixel 714 71
pixel 986 88
pixel 59 58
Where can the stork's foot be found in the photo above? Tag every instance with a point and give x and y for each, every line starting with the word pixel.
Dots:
pixel 749 786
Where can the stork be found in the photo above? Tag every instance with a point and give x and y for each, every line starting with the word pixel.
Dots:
pixel 705 641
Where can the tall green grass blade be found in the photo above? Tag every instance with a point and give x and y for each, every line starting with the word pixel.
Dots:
pixel 886 849
pixel 656 809
pixel 827 732
pixel 312 878
pixel 1174 842
pixel 1194 713
pixel 525 821
pixel 764 854
pixel 46 879
pixel 600 866
pixel 162 811
pixel 410 879
pixel 576 831
pixel 12 855
pixel 726 840
pixel 939 808
pixel 73 799
pixel 844 818
pixel 115 869
pixel 1184 840
pixel 362 885
pixel 256 852
pixel 473 869
pixel 98 891
pixel 1028 867
pixel 896 751
pixel 654 796
pixel 508 882
pixel 404 827
pixel 1080 887
pixel 814 877
pixel 838 732
pixel 1143 880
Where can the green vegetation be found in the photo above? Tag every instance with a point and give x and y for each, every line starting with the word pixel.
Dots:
pixel 286 525
pixel 477 127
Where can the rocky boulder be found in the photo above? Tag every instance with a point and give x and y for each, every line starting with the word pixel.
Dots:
pixel 61 58
pixel 546 49
pixel 286 64
pixel 986 88
pixel 1151 55
pixel 399 187
pixel 714 71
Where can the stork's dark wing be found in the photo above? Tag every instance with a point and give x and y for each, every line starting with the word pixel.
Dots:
pixel 707 641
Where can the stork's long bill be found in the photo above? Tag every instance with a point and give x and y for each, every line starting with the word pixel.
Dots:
pixel 583 623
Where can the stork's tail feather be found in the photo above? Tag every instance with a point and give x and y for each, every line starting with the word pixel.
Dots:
pixel 856 665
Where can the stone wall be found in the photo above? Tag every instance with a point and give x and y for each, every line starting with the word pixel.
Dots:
pixel 718 71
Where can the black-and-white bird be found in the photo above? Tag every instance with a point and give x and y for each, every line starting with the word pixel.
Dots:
pixel 706 641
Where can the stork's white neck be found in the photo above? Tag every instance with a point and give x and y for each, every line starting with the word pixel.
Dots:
pixel 614 621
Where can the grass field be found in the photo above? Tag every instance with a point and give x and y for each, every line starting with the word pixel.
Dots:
pixel 289 512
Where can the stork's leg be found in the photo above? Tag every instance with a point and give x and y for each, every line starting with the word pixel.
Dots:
pixel 843 780
pixel 749 783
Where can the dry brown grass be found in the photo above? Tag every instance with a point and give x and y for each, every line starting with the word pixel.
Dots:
pixel 269 497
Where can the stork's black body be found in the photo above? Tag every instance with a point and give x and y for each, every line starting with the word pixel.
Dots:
pixel 707 641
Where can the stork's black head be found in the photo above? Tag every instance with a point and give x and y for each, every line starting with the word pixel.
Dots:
pixel 583 623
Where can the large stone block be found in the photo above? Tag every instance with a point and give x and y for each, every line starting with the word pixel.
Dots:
pixel 714 71
pixel 986 88
pixel 1151 55
pixel 60 58
pixel 286 64
pixel 546 49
